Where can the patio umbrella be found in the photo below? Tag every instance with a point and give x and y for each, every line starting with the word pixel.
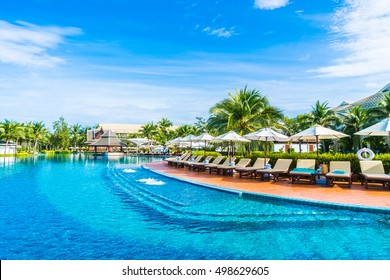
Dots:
pixel 231 137
pixel 318 132
pixel 204 137
pixel 266 134
pixel 138 141
pixel 189 138
pixel 381 128
pixel 177 140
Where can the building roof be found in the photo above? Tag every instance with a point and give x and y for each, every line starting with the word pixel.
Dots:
pixel 366 103
pixel 108 139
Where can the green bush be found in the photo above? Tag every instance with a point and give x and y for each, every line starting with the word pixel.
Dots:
pixel 323 158
pixel 56 152
pixel 201 153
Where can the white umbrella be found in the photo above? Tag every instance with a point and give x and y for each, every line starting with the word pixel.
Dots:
pixel 231 136
pixel 178 140
pixel 266 134
pixel 318 132
pixel 138 142
pixel 381 128
pixel 189 138
pixel 204 137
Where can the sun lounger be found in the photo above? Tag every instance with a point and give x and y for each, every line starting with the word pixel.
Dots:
pixel 305 170
pixel 187 162
pixel 201 166
pixel 372 170
pixel 251 170
pixel 339 170
pixel 171 160
pixel 194 165
pixel 178 163
pixel 214 167
pixel 282 166
pixel 229 169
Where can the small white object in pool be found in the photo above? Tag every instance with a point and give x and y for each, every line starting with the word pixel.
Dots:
pixel 151 181
pixel 129 170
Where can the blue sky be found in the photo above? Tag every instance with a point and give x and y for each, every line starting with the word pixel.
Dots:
pixel 138 61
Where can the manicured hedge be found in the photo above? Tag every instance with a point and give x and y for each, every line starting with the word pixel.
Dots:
pixel 201 153
pixel 324 158
pixel 52 152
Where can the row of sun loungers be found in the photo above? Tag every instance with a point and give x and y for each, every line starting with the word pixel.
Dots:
pixel 371 171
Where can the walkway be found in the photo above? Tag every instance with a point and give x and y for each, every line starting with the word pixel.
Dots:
pixel 356 195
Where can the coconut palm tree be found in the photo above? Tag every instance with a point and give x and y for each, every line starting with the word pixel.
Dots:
pixel 322 115
pixel 244 112
pixel 383 109
pixel 163 130
pixel 10 131
pixel 355 120
pixel 39 133
pixel 148 131
pixel 75 131
pixel 185 130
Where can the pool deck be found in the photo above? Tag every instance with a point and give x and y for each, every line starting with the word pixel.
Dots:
pixel 376 196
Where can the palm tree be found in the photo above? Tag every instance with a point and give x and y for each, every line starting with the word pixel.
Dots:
pixel 322 115
pixel 39 132
pixel 355 120
pixel 163 130
pixel 185 130
pixel 244 112
pixel 148 131
pixel 383 109
pixel 75 134
pixel 10 131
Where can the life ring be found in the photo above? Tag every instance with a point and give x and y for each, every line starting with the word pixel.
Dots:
pixel 365 152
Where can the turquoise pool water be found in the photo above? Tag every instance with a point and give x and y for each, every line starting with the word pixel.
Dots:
pixel 81 207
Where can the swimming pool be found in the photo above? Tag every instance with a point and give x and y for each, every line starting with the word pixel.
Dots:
pixel 80 207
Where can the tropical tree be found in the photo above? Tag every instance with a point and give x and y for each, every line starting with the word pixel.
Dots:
pixel 75 131
pixel 39 133
pixel 10 131
pixel 148 131
pixel 244 112
pixel 163 130
pixel 322 115
pixel 61 135
pixel 185 130
pixel 355 120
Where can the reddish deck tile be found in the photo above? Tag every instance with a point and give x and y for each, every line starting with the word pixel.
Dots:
pixel 339 193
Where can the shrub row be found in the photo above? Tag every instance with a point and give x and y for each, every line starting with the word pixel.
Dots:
pixel 322 158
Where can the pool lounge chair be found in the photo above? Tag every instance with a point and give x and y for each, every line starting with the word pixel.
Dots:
pixel 201 166
pixel 171 160
pixel 251 170
pixel 282 166
pixel 229 169
pixel 214 167
pixel 305 169
pixel 339 170
pixel 178 163
pixel 188 162
pixel 373 171
pixel 194 165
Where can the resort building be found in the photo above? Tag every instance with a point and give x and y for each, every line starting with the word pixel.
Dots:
pixel 107 142
pixel 366 103
pixel 121 130
pixel 11 148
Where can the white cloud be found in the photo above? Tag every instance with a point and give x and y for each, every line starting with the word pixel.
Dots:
pixel 221 32
pixel 362 29
pixel 27 44
pixel 270 4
